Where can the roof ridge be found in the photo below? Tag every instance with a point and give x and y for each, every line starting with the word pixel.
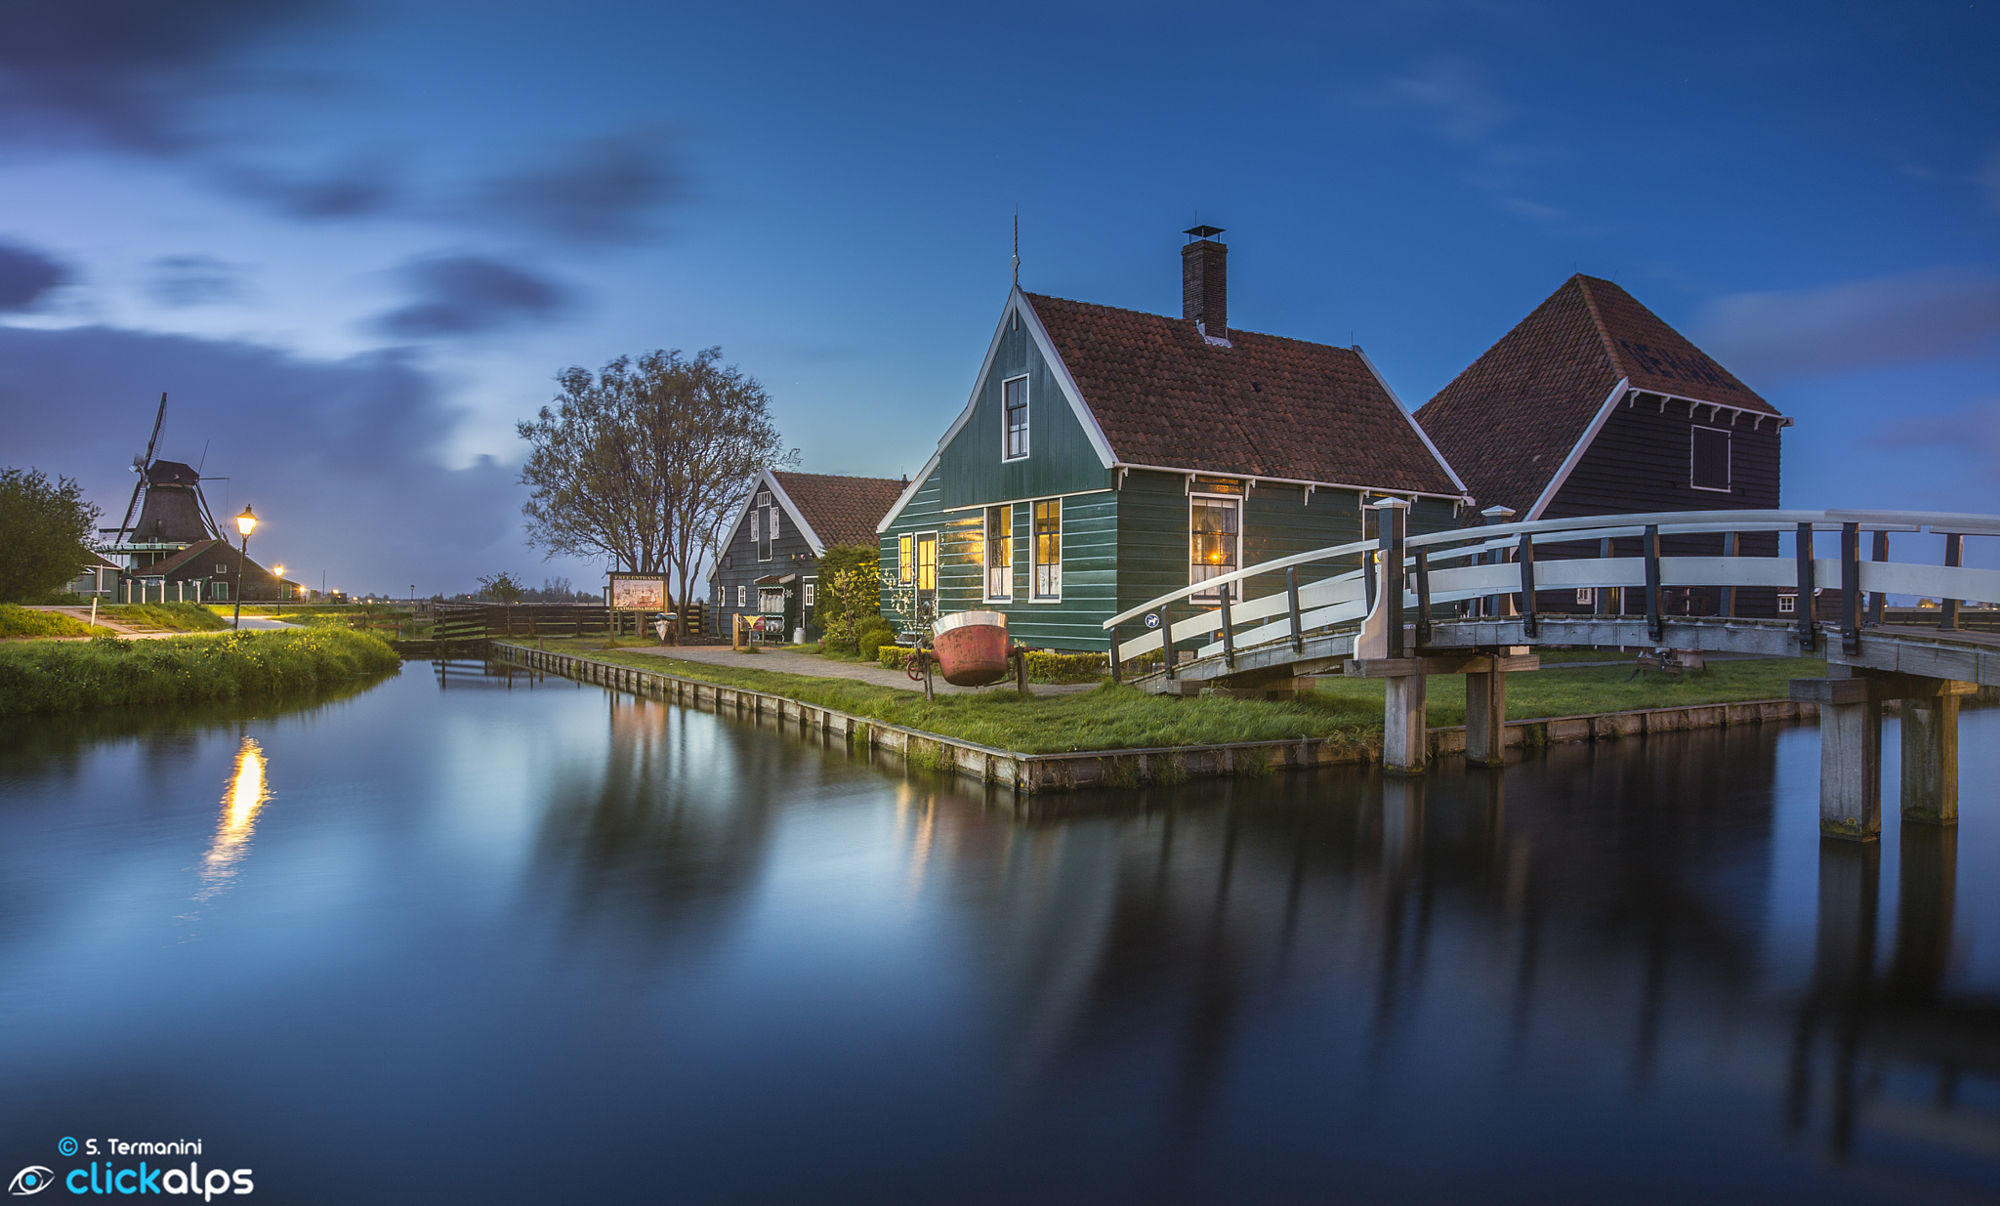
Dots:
pixel 1618 364
pixel 1233 331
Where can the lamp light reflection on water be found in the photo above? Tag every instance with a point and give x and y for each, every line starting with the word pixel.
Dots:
pixel 241 800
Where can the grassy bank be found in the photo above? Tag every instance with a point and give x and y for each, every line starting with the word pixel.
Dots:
pixel 18 621
pixel 1113 717
pixel 164 617
pixel 61 676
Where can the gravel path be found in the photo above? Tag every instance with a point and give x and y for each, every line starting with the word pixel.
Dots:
pixel 787 661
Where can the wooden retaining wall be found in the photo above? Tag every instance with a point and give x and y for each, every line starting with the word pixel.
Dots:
pixel 1034 774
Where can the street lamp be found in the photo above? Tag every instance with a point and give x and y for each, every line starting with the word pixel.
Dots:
pixel 278 572
pixel 246 523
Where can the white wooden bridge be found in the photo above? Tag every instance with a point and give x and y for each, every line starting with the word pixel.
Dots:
pixel 1403 607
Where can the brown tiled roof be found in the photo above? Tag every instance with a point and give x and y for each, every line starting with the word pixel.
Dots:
pixel 1509 420
pixel 167 566
pixel 1265 406
pixel 841 509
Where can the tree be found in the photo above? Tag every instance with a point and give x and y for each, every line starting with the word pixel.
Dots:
pixel 850 592
pixel 45 531
pixel 635 463
pixel 502 587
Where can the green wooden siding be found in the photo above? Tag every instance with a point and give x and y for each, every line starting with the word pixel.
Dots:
pixel 1060 457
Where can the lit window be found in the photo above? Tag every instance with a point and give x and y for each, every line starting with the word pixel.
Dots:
pixel 1214 537
pixel 1048 549
pixel 1014 404
pixel 1000 554
pixel 1709 454
pixel 905 558
pixel 927 552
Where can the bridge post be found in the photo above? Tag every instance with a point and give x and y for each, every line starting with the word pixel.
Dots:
pixel 1656 631
pixel 1391 515
pixel 1494 605
pixel 1930 758
pixel 1878 599
pixel 1954 554
pixel 1850 755
pixel 1403 736
pixel 1850 588
pixel 1527 600
pixel 1486 716
pixel 1806 605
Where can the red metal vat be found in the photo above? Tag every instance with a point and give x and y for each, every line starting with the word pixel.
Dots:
pixel 971 648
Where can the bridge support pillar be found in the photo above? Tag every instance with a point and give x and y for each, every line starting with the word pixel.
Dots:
pixel 1850 770
pixel 1930 759
pixel 1403 739
pixel 1486 717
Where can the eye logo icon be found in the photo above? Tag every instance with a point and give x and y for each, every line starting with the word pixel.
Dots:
pixel 30 1181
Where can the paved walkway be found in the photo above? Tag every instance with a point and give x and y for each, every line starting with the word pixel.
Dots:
pixel 787 661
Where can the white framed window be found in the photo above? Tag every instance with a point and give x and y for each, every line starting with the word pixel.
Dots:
pixel 1708 459
pixel 1014 418
pixel 756 518
pixel 1215 540
pixel 1586 595
pixel 1788 604
pixel 742 595
pixel 1047 535
pixel 999 537
pixel 809 594
pixel 221 568
pixel 906 546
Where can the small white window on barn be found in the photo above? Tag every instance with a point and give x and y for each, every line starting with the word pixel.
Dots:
pixel 742 595
pixel 1788 604
pixel 755 517
pixel 221 568
pixel 1708 454
pixel 1014 419
pixel 1586 595
pixel 809 594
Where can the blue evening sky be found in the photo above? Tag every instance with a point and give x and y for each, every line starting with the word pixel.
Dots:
pixel 355 241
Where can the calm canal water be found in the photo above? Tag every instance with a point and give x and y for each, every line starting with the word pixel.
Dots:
pixel 554 944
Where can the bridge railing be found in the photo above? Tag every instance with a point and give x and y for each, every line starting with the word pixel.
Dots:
pixel 1494 570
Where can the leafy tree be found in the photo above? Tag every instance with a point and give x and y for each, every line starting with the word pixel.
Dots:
pixel 850 592
pixel 639 462
pixel 502 587
pixel 45 528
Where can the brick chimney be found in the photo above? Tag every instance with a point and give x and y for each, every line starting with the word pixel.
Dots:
pixel 1205 281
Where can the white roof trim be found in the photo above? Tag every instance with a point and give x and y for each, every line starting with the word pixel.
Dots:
pixel 1017 303
pixel 1781 420
pixel 1576 453
pixel 768 478
pixel 1255 478
pixel 1411 419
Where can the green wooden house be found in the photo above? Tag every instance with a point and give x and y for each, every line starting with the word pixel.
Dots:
pixel 1107 457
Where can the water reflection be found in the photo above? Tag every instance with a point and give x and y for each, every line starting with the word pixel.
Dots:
pixel 241 800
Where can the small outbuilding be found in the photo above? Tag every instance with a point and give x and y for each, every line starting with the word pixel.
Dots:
pixel 768 563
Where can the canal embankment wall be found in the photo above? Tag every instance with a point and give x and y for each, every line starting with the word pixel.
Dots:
pixel 1039 774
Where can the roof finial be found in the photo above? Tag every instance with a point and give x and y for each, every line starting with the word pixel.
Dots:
pixel 1017 245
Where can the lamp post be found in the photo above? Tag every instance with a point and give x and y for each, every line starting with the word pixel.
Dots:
pixel 246 523
pixel 278 572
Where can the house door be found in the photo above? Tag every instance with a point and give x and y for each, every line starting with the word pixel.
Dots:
pixel 927 596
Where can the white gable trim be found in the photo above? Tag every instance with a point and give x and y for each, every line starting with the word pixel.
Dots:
pixel 1017 304
pixel 1411 419
pixel 1576 453
pixel 784 500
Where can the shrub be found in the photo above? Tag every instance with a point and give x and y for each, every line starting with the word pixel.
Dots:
pixel 1045 666
pixel 892 656
pixel 850 594
pixel 874 633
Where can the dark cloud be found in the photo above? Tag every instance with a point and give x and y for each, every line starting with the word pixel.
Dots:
pixel 344 460
pixel 193 280
pixel 359 189
pixel 1907 318
pixel 469 295
pixel 133 73
pixel 605 190
pixel 26 277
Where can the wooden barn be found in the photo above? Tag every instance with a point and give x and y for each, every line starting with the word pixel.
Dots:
pixel 1108 456
pixel 1592 405
pixel 208 571
pixel 768 564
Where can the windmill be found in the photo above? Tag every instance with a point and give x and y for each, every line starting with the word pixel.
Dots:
pixel 167 501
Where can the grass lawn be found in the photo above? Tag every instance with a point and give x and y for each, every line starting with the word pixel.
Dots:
pixel 18 621
pixel 163 617
pixel 62 676
pixel 1117 717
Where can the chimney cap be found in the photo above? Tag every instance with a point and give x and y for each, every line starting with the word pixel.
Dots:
pixel 1202 232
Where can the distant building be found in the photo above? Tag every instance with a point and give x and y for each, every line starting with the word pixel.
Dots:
pixel 1107 457
pixel 206 572
pixel 768 563
pixel 98 579
pixel 1592 405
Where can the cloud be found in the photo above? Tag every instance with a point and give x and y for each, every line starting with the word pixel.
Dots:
pixel 193 280
pixel 603 190
pixel 362 188
pixel 1448 93
pixel 342 459
pixel 1971 431
pixel 468 295
pixel 134 74
pixel 27 276
pixel 1901 319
